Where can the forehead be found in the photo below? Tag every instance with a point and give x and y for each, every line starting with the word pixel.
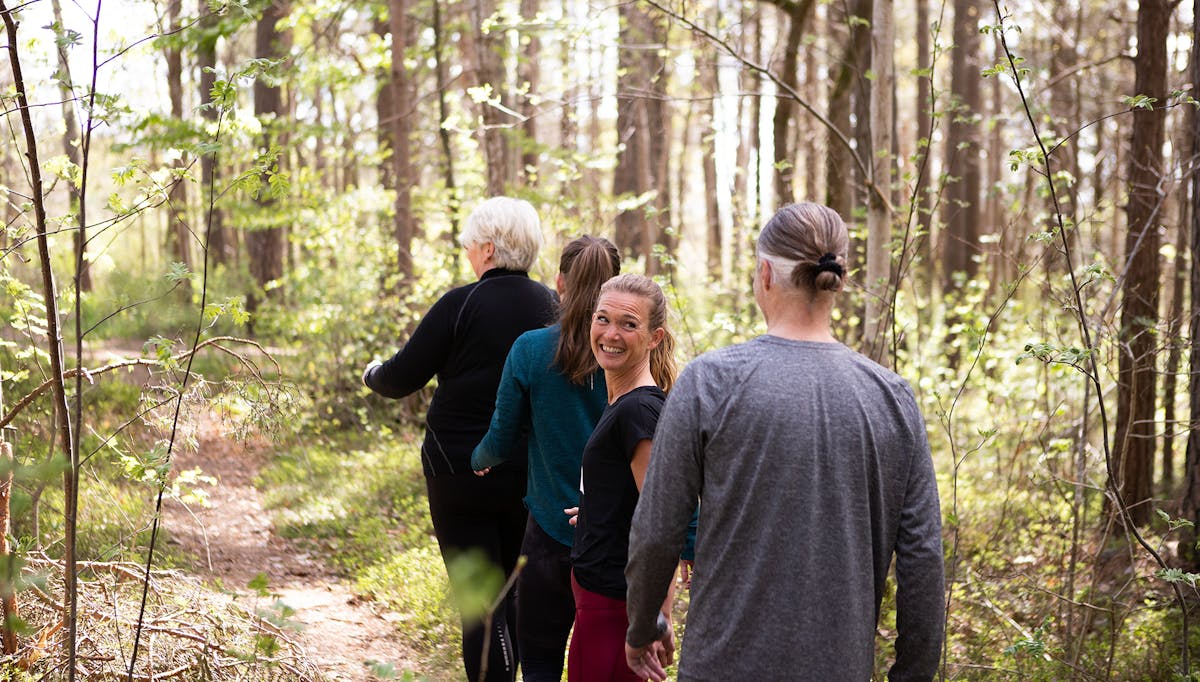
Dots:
pixel 622 302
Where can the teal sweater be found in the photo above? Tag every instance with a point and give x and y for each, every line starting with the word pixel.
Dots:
pixel 559 417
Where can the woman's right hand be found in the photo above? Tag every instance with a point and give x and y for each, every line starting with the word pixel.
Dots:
pixel 483 472
pixel 573 512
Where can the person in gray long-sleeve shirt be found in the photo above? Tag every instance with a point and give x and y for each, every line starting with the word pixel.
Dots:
pixel 815 471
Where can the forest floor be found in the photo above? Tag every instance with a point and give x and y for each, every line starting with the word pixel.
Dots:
pixel 234 541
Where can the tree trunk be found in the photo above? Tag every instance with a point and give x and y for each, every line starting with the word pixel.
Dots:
pixel 177 228
pixel 1190 502
pixel 529 76
pixel 8 598
pixel 63 427
pixel 1134 440
pixel 1175 317
pixel 961 207
pixel 439 57
pixel 710 85
pixel 876 319
pixel 219 247
pixel 404 98
pixel 72 147
pixel 923 207
pixel 785 107
pixel 264 244
pixel 644 135
pixel 839 166
pixel 491 56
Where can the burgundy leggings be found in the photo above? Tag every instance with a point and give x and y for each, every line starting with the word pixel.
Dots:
pixel 598 641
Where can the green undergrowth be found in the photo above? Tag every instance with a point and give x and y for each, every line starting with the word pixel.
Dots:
pixel 360 503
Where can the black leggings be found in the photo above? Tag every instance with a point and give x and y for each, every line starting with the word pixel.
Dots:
pixel 483 515
pixel 545 605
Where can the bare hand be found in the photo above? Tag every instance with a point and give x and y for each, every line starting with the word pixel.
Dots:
pixel 483 472
pixel 650 661
pixel 370 368
pixel 685 573
pixel 573 512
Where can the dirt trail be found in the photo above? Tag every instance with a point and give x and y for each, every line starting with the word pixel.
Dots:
pixel 235 541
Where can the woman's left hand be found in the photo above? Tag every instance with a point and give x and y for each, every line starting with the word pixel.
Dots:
pixel 370 368
pixel 573 512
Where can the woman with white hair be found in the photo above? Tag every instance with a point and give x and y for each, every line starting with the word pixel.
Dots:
pixel 464 340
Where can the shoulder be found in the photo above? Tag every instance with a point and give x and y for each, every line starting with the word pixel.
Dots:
pixel 534 344
pixel 722 366
pixel 646 401
pixel 896 384
pixel 455 297
pixel 538 338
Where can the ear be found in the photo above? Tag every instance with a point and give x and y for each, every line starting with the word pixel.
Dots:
pixel 656 337
pixel 765 274
pixel 560 284
pixel 488 249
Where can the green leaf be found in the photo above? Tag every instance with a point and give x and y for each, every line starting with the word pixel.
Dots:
pixel 259 584
pixel 177 272
pixel 1140 102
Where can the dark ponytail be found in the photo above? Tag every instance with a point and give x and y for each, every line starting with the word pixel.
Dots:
pixel 587 262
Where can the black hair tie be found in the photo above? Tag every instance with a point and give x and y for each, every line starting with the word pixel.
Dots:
pixel 828 263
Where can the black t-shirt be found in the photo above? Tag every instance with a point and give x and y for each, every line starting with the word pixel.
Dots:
pixel 608 493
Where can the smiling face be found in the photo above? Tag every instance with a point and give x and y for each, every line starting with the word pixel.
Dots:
pixel 621 336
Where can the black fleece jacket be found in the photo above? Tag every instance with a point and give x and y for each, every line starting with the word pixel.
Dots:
pixel 464 340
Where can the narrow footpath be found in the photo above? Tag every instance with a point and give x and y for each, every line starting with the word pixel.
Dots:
pixel 234 540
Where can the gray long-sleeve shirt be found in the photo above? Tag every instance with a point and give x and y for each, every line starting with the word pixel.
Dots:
pixel 815 470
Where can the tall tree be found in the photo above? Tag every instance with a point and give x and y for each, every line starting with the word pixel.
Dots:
pixel 879 214
pixel 491 57
pixel 924 202
pixel 709 82
pixel 403 106
pixel 72 141
pixel 797 12
pixel 265 242
pixel 1191 469
pixel 220 248
pixel 178 234
pixel 529 76
pixel 643 131
pixel 961 212
pixel 849 70
pixel 1134 440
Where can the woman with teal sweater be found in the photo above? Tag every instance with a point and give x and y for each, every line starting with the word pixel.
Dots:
pixel 552 389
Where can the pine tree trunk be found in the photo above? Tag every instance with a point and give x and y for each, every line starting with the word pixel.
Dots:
pixel 448 178
pixel 961 207
pixel 491 56
pixel 72 145
pixel 879 216
pixel 265 244
pixel 644 131
pixel 403 97
pixel 785 105
pixel 1134 439
pixel 1190 502
pixel 839 167
pixel 8 598
pixel 529 76
pixel 923 200
pixel 178 234
pixel 219 247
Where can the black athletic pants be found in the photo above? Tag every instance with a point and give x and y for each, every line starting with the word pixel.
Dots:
pixel 474 514
pixel 545 605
